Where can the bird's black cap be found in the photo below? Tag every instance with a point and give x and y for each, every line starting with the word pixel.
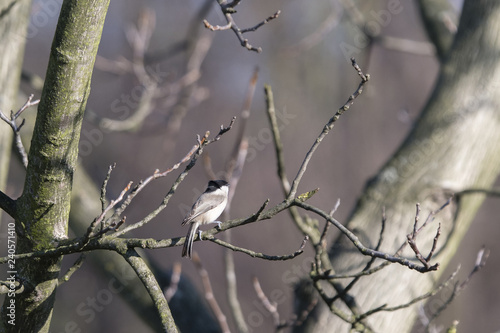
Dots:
pixel 217 183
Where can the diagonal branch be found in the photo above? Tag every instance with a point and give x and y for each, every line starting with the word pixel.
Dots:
pixel 328 127
pixel 362 248
pixel 260 255
pixel 202 143
pixel 152 287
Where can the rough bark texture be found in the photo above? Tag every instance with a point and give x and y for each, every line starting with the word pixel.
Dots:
pixel 455 145
pixel 43 208
pixel 13 24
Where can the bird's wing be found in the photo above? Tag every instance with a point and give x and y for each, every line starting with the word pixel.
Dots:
pixel 201 206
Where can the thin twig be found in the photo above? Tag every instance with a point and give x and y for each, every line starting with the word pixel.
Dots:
pixel 367 270
pixel 193 154
pixel 16 128
pixel 232 291
pixel 278 145
pixel 420 298
pixel 98 220
pixel 209 294
pixel 174 281
pixel 260 24
pixel 104 187
pixel 143 183
pixel 233 172
pixel 363 249
pixel 228 10
pixel 78 263
pixel 321 259
pixel 244 116
pixel 112 242
pixel 481 258
pixel 412 237
pixel 257 254
pixel 272 307
pixel 328 127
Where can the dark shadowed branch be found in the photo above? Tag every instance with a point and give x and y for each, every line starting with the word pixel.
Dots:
pixel 228 8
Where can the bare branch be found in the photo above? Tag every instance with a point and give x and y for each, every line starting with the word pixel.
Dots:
pixel 328 127
pixel 209 294
pixel 260 24
pixel 414 300
pixel 367 270
pixel 234 170
pixel 257 254
pixel 193 154
pixel 363 249
pixel 174 281
pixel 228 10
pixel 148 280
pixel 104 187
pixel 278 145
pixel 143 183
pixel 216 27
pixel 16 128
pixel 412 237
pixel 271 307
pixel 489 192
pixel 112 242
pixel 223 130
pixel 78 263
pixel 99 219
pixel 481 258
pixel 244 116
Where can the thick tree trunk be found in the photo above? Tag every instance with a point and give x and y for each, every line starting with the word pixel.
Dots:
pixel 454 146
pixel 43 208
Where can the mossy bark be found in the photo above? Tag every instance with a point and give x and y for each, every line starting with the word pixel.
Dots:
pixel 43 208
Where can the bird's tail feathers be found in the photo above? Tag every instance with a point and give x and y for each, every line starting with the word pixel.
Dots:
pixel 187 250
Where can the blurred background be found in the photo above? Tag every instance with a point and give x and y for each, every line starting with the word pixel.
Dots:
pixel 305 58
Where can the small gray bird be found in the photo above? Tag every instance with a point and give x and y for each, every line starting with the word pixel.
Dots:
pixel 206 209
